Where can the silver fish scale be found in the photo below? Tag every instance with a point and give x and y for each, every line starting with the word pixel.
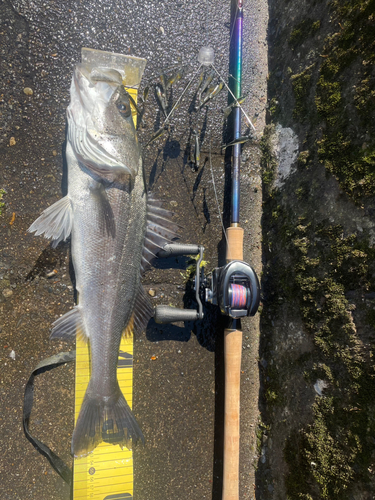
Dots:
pixel 105 211
pixel 107 266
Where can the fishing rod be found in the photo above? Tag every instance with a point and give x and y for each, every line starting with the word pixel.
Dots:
pixel 233 333
pixel 233 287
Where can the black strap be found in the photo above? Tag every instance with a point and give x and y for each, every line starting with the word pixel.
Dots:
pixel 47 364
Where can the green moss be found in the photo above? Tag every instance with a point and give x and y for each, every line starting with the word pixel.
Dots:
pixel 261 430
pixel 319 371
pixel 335 96
pixel 274 108
pixel 327 264
pixel 271 396
pixel 351 161
pixel 301 84
pixel 273 390
pixel 2 204
pixel 277 212
pixel 332 455
pixel 303 30
pixel 328 100
pixel 311 267
pixel 333 452
pixel 303 159
pixel 364 97
pixel 353 165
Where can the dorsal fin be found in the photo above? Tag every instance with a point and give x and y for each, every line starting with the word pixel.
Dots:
pixel 160 230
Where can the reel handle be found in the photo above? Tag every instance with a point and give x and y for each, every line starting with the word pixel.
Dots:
pixel 168 314
pixel 178 249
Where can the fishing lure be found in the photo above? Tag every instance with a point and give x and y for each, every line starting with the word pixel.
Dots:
pixel 229 108
pixel 161 99
pixel 240 140
pixel 212 92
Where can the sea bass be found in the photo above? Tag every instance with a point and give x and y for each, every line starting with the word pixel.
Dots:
pixel 116 229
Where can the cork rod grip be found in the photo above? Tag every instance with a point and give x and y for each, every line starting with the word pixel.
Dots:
pixel 232 361
pixel 235 243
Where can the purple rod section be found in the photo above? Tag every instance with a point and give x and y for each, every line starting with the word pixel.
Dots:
pixel 235 84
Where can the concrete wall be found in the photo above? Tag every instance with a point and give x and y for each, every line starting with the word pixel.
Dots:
pixel 317 324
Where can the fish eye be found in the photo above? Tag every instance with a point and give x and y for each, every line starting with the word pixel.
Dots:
pixel 124 108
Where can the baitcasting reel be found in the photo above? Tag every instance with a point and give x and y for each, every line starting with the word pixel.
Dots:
pixel 233 287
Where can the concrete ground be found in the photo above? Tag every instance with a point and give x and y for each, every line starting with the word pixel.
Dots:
pixel 178 373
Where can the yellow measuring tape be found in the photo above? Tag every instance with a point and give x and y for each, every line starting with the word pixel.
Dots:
pixel 107 472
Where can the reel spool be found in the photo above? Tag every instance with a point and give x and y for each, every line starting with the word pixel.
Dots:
pixel 234 288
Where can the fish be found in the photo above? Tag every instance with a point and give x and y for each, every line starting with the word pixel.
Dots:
pixel 194 150
pixel 203 84
pixel 240 140
pixel 197 151
pixel 161 99
pixel 162 81
pixel 145 93
pixel 134 104
pixel 157 134
pixel 173 78
pixel 211 93
pixel 116 229
pixel 229 108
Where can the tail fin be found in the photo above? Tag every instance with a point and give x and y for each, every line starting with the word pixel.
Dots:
pixel 109 420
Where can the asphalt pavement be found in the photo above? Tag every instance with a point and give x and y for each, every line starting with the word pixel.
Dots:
pixel 178 369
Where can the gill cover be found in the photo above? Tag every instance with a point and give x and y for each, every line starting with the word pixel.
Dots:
pixel 100 124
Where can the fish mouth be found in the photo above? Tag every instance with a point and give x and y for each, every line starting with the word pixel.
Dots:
pixel 92 83
pixel 98 74
pixel 92 89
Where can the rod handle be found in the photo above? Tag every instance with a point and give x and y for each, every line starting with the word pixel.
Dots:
pixel 232 362
pixel 235 243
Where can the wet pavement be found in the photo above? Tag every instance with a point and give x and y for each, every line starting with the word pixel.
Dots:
pixel 178 372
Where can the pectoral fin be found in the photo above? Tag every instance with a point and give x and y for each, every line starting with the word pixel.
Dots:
pixel 105 211
pixel 55 222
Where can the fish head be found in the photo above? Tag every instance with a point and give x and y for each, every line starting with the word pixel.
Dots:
pixel 100 123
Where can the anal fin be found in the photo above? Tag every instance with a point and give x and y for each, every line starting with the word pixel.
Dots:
pixel 142 313
pixel 69 325
pixel 55 222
